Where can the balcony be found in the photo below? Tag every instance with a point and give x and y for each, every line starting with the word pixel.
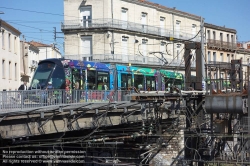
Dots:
pixel 221 44
pixel 125 25
pixel 133 59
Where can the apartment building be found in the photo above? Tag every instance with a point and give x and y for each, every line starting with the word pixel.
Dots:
pixel 220 49
pixel 9 56
pixel 29 60
pixel 134 32
pixel 243 53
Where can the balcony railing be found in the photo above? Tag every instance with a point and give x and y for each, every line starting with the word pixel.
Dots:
pixel 221 44
pixel 133 59
pixel 126 25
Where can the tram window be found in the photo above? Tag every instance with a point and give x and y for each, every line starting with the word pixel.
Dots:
pixel 102 77
pixel 76 78
pixel 42 75
pixel 58 78
pixel 150 81
pixel 126 81
pixel 91 79
pixel 139 82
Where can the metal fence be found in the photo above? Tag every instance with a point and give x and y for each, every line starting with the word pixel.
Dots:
pixel 126 25
pixel 134 59
pixel 20 100
pixel 243 124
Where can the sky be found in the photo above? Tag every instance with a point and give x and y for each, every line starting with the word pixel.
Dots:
pixel 36 19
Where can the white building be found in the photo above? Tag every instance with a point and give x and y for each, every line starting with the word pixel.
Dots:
pixel 126 31
pixel 10 57
pixel 46 51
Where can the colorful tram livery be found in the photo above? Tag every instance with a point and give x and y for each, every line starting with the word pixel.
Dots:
pixel 147 78
pixel 86 75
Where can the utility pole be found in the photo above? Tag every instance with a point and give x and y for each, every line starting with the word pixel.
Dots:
pixel 112 42
pixel 173 34
pixel 54 34
pixel 54 44
pixel 203 55
pixel 23 52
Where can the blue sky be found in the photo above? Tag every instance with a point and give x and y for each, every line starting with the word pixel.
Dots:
pixel 36 19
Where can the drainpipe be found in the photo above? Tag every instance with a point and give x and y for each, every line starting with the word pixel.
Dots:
pixel 24 66
pixel 173 32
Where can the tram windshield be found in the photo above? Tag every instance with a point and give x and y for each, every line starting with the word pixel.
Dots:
pixel 41 76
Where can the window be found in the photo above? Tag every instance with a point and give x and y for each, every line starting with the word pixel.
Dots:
pixel 86 47
pixel 222 75
pixel 193 31
pixel 221 57
pixel 208 34
pixel 214 35
pixel 139 82
pixel 144 18
pixel 144 21
pixel 144 47
pixel 15 45
pixel 228 58
pixel 3 39
pixel 15 71
pixel 126 81
pixel 177 29
pixel 227 37
pixel 124 44
pixel 208 56
pixel 214 56
pixel 215 75
pixel 162 25
pixel 221 37
pixel 10 69
pixel 232 56
pixel 85 15
pixel 3 68
pixel 124 17
pixel 178 51
pixel 9 41
pixel 163 47
pixel 102 79
pixel 232 38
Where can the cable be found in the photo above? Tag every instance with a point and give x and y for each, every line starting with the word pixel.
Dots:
pixel 34 11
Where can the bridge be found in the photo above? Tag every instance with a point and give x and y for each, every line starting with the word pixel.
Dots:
pixel 131 123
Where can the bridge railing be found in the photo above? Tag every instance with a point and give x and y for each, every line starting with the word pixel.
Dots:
pixel 20 100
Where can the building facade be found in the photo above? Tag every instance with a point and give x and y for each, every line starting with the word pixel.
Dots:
pixel 46 51
pixel 124 31
pixel 10 57
pixel 220 49
pixel 29 60
pixel 243 53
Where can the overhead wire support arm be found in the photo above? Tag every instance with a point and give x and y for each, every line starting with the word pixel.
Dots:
pixel 163 59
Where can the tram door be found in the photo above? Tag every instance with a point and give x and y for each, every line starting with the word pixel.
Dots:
pixel 76 79
pixel 150 83
pixel 139 82
pixel 126 81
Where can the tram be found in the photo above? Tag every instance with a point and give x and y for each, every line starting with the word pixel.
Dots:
pixel 86 75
